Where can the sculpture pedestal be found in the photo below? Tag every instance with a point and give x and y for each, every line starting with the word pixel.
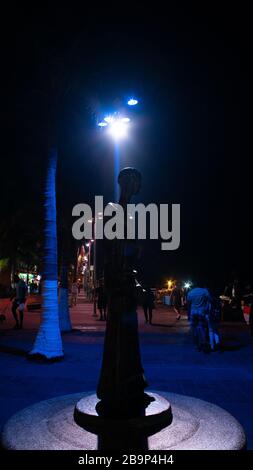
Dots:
pixel 125 433
pixel 50 425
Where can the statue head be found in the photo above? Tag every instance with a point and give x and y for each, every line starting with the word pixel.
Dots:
pixel 129 180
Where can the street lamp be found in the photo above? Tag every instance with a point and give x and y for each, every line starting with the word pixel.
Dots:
pixel 187 285
pixel 169 284
pixel 132 102
pixel 88 245
pixel 117 127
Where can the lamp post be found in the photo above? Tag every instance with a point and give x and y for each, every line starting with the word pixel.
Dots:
pixel 117 127
pixel 93 220
pixel 88 245
pixel 94 270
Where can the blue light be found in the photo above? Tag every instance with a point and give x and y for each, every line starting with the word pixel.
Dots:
pixel 132 102
pixel 102 124
pixel 109 119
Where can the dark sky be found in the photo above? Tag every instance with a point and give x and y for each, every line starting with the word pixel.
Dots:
pixel 190 138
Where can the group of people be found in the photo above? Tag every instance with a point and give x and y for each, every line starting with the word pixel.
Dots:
pixel 19 296
pixel 204 314
pixel 204 309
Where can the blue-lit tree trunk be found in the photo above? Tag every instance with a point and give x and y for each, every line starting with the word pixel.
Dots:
pixel 64 316
pixel 48 342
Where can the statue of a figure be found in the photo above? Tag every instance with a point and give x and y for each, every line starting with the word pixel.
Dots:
pixel 122 382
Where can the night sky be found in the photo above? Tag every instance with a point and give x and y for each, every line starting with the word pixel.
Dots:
pixel 189 140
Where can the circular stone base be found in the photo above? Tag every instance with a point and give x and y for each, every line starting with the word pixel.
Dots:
pixel 50 425
pixel 157 416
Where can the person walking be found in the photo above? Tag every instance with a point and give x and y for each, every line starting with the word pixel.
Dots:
pixel 199 300
pixel 213 319
pixel 148 304
pixel 74 292
pixel 79 287
pixel 176 300
pixel 18 303
pixel 101 301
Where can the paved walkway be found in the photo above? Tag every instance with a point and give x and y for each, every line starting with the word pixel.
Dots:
pixel 169 359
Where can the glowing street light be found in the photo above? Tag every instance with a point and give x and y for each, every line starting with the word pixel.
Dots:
pixel 169 284
pixel 117 126
pixel 132 102
pixel 187 285
pixel 118 129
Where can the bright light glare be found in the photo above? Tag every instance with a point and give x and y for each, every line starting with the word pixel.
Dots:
pixel 102 124
pixel 109 119
pixel 118 129
pixel 132 102
pixel 125 119
pixel 187 285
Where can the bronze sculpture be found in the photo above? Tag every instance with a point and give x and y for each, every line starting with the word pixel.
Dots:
pixel 121 384
pixel 122 415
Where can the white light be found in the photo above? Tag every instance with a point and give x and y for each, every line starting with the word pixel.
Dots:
pixel 87 244
pixel 187 285
pixel 90 221
pixel 125 119
pixel 102 124
pixel 132 102
pixel 109 119
pixel 118 129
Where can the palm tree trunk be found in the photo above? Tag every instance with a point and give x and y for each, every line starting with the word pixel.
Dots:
pixel 48 342
pixel 64 317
